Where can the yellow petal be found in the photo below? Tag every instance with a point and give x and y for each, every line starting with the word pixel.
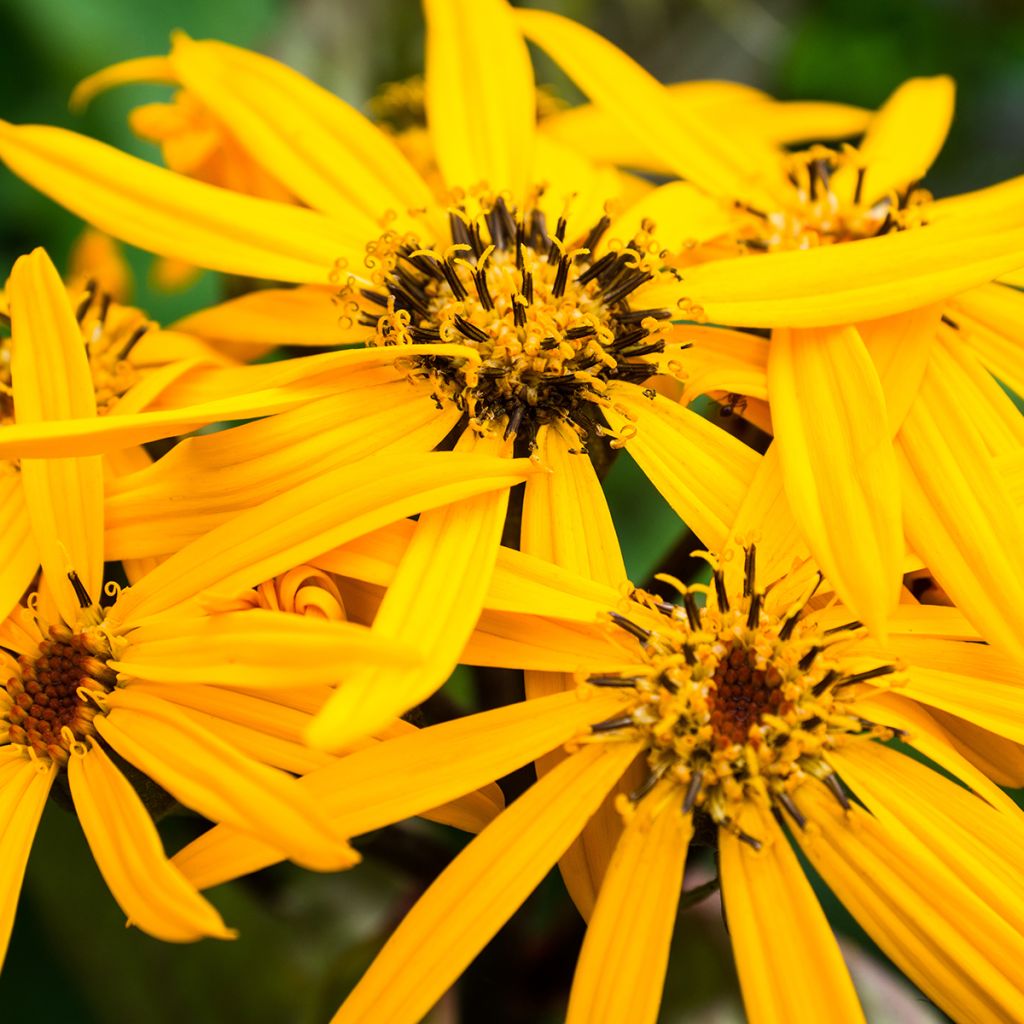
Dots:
pixel 621 970
pixel 315 144
pixel 175 216
pixel 701 471
pixel 960 515
pixel 836 284
pixel 24 785
pixel 158 70
pixel 900 347
pixel 766 518
pixel 402 777
pixel 838 464
pixel 19 558
pixel 124 841
pixel 926 727
pixel 481 105
pixel 991 321
pixel 906 134
pixel 311 518
pixel 431 608
pixel 941 819
pixel 256 648
pixel 208 775
pixel 720 360
pixel 695 149
pixel 926 918
pixel 276 316
pixel 565 514
pixel 52 381
pixel 682 215
pixel 481 889
pixel 521 582
pixel 775 921
pixel 204 481
pixel 1000 759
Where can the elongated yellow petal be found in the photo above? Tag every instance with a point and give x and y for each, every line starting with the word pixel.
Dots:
pixel 943 820
pixel 682 215
pixel 960 514
pixel 775 921
pixel 905 136
pixel 158 70
pixel 592 130
pixel 996 204
pixel 565 514
pixel 124 841
pixel 621 970
pixel 719 360
pixel 52 381
pixel 403 777
pixel 311 518
pixel 431 608
pixel 926 918
pixel 928 729
pixel 256 648
pixel 836 284
pixel 991 321
pixel 642 107
pixel 838 464
pixel 481 889
pixel 276 316
pixel 521 582
pixel 19 558
pixel 24 786
pixel 205 481
pixel 900 347
pixel 765 517
pixel 175 216
pixel 481 104
pixel 566 520
pixel 701 471
pixel 208 775
pixel 315 144
pixel 1001 760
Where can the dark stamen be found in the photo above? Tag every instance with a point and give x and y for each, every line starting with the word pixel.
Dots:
pixel 132 341
pixel 468 329
pixel 692 611
pixel 855 624
pixel 873 673
pixel 836 788
pixel 514 422
pixel 83 306
pixel 84 600
pixel 480 280
pixel 754 612
pixel 528 286
pixel 808 659
pixel 720 593
pixel 792 810
pixel 692 791
pixel 749 569
pixel 825 682
pixel 518 311
pixel 561 277
pixel 613 724
pixel 613 681
pixel 859 190
pixel 595 234
pixel 454 282
pixel 630 627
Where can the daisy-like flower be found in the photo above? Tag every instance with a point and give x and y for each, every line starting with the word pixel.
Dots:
pixel 888 311
pixel 541 298
pixel 85 680
pixel 756 715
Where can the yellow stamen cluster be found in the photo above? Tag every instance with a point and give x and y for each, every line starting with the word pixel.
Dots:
pixel 48 701
pixel 735 704
pixel 110 332
pixel 828 205
pixel 550 323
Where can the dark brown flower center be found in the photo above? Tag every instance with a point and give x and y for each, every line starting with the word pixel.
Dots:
pixel 49 693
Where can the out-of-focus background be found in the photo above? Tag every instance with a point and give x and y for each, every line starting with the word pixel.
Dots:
pixel 305 938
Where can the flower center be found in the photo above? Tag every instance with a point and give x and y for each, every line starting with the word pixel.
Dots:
pixel 828 205
pixel 48 707
pixel 735 703
pixel 550 322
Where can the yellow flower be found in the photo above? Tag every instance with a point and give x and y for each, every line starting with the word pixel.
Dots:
pixel 527 286
pixel 891 438
pixel 754 712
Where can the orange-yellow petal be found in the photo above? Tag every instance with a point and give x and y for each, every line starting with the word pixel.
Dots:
pixel 838 464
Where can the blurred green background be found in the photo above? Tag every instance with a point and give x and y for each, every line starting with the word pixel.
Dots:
pixel 305 938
